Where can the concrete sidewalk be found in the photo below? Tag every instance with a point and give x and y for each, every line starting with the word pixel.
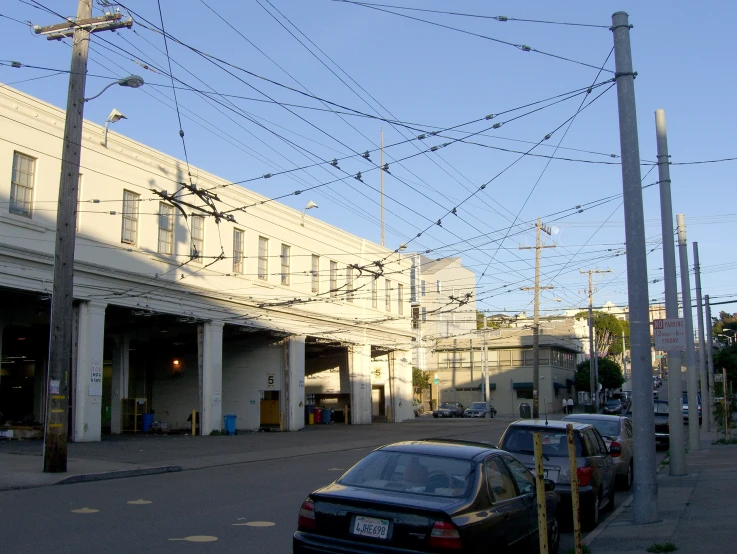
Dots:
pixel 696 510
pixel 21 462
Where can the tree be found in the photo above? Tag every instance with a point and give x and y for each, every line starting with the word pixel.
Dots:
pixel 420 380
pixel 726 358
pixel 607 331
pixel 610 375
pixel 724 322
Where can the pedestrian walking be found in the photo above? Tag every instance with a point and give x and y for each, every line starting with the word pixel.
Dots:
pixel 570 405
pixel 565 406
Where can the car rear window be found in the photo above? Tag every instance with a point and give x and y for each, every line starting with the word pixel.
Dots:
pixel 412 473
pixel 477 406
pixel 518 440
pixel 448 406
pixel 606 428
pixel 661 408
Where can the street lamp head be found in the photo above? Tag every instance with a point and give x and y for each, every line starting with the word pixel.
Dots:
pixel 311 205
pixel 115 116
pixel 132 81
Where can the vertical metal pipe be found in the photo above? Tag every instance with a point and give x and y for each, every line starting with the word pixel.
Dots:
pixel 536 330
pixel 645 488
pixel 705 391
pixel 710 358
pixel 692 376
pixel 677 464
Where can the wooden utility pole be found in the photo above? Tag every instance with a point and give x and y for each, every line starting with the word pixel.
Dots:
pixel 536 325
pixel 62 299
pixel 593 354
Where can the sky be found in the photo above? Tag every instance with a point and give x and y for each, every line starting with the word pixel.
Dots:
pixel 267 86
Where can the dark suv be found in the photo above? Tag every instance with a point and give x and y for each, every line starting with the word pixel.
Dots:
pixel 596 470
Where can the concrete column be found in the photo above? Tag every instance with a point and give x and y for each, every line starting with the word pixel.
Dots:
pixel 359 364
pixel 210 362
pixel 400 374
pixel 293 383
pixel 89 339
pixel 2 328
pixel 121 378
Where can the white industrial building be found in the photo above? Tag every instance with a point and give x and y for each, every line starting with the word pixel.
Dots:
pixel 176 312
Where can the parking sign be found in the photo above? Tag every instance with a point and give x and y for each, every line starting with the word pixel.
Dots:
pixel 669 334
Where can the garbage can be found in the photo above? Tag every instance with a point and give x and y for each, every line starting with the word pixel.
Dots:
pixel 318 415
pixel 525 412
pixel 326 415
pixel 229 424
pixel 148 420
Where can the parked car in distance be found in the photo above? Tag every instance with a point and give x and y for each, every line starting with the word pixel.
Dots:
pixel 417 407
pixel 449 409
pixel 478 409
pixel 624 397
pixel 617 432
pixel 613 406
pixel 657 381
pixel 685 406
pixel 662 427
pixel 595 468
pixel 428 496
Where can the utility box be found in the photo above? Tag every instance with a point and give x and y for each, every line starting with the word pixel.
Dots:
pixel 525 411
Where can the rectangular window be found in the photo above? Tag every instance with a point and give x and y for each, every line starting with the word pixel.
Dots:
pixel 315 274
pixel 333 278
pixel 285 264
pixel 263 258
pixel 415 317
pixel 349 283
pixel 422 287
pixel 400 299
pixel 413 283
pixel 388 295
pixel 424 314
pixel 238 250
pixel 129 234
pixel 197 223
pixel 374 292
pixel 21 185
pixel 166 228
pixel 438 286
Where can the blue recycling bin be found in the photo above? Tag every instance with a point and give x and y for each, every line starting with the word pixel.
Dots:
pixel 229 424
pixel 148 420
pixel 326 415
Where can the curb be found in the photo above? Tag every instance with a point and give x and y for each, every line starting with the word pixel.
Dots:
pixel 121 474
pixel 591 537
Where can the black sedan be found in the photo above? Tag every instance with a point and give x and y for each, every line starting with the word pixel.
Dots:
pixel 428 496
pixel 449 409
pixel 478 409
pixel 613 406
pixel 662 427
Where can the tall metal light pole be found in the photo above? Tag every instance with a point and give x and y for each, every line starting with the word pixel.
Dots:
pixel 645 487
pixel 710 356
pixel 62 299
pixel 593 348
pixel 677 464
pixel 692 375
pixel 705 392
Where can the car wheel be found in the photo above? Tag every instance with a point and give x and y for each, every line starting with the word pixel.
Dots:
pixel 592 517
pixel 630 476
pixel 435 416
pixel 610 504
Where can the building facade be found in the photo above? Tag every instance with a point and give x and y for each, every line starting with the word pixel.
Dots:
pixel 255 312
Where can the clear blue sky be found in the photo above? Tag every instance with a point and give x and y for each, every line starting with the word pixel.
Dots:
pixel 435 78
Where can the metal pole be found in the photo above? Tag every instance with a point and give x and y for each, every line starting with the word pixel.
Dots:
pixel 542 505
pixel 705 391
pixel 596 373
pixel 487 392
pixel 381 172
pixel 592 372
pixel 536 331
pixel 692 375
pixel 573 472
pixel 677 464
pixel 62 299
pixel 645 487
pixel 710 357
pixel 624 361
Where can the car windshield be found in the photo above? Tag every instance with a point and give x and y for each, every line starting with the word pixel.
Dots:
pixel 661 408
pixel 477 406
pixel 412 473
pixel 606 427
pixel 555 443
pixel 613 402
pixel 447 405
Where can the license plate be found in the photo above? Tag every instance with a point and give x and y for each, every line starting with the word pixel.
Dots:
pixel 371 527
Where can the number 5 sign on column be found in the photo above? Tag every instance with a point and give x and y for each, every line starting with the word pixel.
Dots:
pixel 270 380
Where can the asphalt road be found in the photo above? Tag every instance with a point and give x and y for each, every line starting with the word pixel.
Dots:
pixel 248 507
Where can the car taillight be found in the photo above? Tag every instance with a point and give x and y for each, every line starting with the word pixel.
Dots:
pixel 445 536
pixel 584 475
pixel 615 449
pixel 306 519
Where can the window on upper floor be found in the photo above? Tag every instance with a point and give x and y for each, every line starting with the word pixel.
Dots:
pixel 349 293
pixel 423 287
pixel 315 274
pixel 415 317
pixel 286 263
pixel 129 233
pixel 239 237
pixel 166 228
pixel 438 286
pixel 388 291
pixel 333 278
pixel 21 184
pixel 424 314
pixel 197 230
pixel 263 258
pixel 400 299
pixel 374 292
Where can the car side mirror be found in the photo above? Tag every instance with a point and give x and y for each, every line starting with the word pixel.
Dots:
pixel 549 485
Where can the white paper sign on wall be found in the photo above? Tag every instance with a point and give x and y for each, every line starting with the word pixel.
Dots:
pixel 95 388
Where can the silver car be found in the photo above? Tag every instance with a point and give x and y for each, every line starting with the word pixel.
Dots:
pixel 617 432
pixel 594 464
